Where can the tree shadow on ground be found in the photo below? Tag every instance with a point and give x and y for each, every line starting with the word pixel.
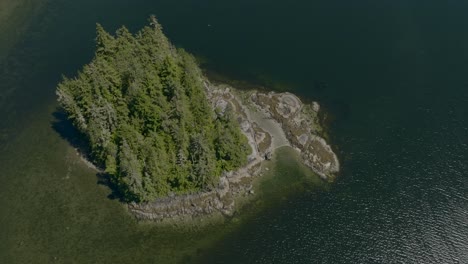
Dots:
pixel 65 129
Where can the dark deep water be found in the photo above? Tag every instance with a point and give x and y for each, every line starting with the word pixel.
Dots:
pixel 391 74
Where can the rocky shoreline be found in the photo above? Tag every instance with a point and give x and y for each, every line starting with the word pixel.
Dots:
pixel 269 121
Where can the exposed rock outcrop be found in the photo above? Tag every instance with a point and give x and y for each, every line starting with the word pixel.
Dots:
pixel 300 124
pixel 269 121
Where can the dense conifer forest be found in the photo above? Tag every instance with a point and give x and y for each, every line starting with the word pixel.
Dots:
pixel 141 105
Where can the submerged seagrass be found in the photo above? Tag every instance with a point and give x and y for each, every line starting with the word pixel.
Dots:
pixel 141 104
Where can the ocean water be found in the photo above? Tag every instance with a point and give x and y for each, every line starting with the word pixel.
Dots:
pixel 391 76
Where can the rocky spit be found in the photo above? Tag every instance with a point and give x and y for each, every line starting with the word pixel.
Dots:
pixel 269 121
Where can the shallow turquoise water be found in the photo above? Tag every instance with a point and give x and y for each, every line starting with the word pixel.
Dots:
pixel 391 75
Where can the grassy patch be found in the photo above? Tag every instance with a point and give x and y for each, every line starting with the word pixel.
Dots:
pixel 266 142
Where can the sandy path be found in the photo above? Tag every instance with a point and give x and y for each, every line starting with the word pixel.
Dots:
pixel 270 125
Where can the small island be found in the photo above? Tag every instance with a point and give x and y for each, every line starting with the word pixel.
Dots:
pixel 175 145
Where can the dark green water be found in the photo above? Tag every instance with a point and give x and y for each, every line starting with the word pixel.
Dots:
pixel 392 75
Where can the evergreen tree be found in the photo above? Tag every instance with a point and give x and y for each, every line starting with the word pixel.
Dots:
pixel 142 106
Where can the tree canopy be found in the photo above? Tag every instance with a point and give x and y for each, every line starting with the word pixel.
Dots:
pixel 142 106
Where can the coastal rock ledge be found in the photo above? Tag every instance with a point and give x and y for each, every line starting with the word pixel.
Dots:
pixel 269 121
